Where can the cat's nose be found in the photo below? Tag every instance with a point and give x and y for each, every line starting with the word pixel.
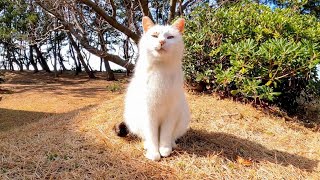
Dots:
pixel 161 42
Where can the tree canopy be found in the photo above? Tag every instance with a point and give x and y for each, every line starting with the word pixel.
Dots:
pixel 49 34
pixel 64 34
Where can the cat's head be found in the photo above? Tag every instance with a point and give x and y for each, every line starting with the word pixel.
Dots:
pixel 162 42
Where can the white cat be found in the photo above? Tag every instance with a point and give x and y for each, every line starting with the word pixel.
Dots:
pixel 155 106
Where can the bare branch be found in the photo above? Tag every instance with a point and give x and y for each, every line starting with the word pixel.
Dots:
pixel 113 58
pixel 110 20
pixel 145 9
pixel 114 10
pixel 186 4
pixel 45 36
pixel 172 11
pixel 84 41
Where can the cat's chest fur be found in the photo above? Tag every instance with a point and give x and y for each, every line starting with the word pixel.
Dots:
pixel 162 78
pixel 162 88
pixel 160 84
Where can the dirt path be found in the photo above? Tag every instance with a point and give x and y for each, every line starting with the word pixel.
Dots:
pixel 29 97
pixel 62 129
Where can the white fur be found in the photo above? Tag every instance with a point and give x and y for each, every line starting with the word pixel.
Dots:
pixel 155 106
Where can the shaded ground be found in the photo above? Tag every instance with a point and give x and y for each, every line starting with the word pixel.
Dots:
pixel 62 128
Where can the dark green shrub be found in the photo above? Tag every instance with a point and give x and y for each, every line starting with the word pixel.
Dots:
pixel 251 51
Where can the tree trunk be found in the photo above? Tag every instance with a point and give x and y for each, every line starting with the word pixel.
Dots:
pixel 9 60
pixel 55 60
pixel 4 65
pixel 101 61
pixel 54 48
pixel 31 59
pixel 78 70
pixel 19 63
pixel 110 75
pixel 80 57
pixel 27 59
pixel 41 58
pixel 61 58
pixel 61 62
pixel 11 68
pixel 172 11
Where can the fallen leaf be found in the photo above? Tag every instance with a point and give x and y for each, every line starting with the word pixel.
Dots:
pixel 244 162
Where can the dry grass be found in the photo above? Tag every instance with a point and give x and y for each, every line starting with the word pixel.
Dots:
pixel 62 129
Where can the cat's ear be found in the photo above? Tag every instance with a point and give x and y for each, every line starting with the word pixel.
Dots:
pixel 179 24
pixel 146 23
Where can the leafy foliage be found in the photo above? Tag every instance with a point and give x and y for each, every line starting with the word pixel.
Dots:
pixel 14 19
pixel 254 52
pixel 304 6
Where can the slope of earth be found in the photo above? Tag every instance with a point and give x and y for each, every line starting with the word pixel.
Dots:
pixel 62 128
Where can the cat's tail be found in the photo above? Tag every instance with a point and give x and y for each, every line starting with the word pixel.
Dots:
pixel 121 129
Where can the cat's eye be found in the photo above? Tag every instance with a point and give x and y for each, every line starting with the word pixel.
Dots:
pixel 170 37
pixel 154 35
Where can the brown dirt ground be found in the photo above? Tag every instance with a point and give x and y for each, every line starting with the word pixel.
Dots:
pixel 61 128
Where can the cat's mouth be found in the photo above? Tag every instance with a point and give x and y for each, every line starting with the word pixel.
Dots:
pixel 160 50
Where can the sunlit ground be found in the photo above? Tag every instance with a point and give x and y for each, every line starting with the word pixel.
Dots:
pixel 62 129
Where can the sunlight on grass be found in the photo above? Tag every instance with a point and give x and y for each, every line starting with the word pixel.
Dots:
pixel 114 87
pixel 70 136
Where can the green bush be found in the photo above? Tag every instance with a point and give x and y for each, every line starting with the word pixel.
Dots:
pixel 251 51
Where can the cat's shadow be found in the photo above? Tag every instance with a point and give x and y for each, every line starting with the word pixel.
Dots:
pixel 203 143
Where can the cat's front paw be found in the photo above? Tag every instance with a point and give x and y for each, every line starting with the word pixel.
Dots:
pixel 153 155
pixel 165 151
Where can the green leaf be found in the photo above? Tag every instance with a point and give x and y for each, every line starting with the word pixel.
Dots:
pixel 243 70
pixel 199 78
pixel 268 83
pixel 234 92
pixel 276 93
